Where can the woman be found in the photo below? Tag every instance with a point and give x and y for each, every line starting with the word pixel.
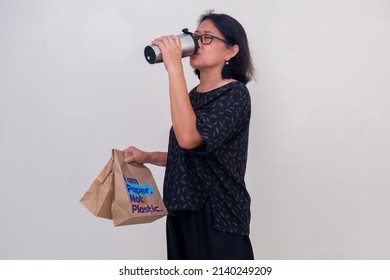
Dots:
pixel 204 188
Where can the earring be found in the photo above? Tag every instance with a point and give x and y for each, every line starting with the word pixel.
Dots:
pixel 227 63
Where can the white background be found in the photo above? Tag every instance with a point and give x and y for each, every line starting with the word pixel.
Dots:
pixel 74 84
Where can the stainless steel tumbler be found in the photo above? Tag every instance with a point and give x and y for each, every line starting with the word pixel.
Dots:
pixel 189 44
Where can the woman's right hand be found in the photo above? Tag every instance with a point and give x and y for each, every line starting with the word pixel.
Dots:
pixel 133 154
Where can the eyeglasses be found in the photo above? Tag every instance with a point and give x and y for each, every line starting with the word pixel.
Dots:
pixel 206 39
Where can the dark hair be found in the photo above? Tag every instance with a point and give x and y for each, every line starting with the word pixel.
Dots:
pixel 240 67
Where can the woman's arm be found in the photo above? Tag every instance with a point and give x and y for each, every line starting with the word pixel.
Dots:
pixel 133 154
pixel 182 114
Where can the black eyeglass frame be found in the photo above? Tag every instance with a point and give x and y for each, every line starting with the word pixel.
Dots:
pixel 211 40
pixel 197 37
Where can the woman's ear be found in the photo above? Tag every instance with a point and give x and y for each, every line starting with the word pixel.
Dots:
pixel 233 51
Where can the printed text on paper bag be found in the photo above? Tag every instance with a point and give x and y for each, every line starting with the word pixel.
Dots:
pixel 137 193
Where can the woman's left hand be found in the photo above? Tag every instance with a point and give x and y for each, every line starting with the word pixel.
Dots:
pixel 171 50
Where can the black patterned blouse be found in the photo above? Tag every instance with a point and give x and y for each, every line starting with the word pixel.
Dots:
pixel 216 169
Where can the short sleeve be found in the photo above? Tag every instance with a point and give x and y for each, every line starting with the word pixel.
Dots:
pixel 219 120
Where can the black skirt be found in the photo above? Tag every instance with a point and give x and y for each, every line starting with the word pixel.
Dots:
pixel 190 236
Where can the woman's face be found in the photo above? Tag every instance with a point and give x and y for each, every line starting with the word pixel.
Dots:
pixel 212 56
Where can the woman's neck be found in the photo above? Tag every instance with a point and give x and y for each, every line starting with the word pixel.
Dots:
pixel 210 82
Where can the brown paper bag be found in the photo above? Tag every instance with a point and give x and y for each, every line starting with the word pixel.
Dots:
pixel 136 196
pixel 99 197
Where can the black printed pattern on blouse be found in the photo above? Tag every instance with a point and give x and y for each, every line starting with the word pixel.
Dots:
pixel 216 169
